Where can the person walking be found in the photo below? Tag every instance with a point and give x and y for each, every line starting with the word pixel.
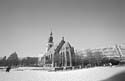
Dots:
pixel 8 68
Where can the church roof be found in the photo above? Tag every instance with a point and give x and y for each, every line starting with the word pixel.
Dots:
pixel 52 49
pixel 66 44
pixel 57 47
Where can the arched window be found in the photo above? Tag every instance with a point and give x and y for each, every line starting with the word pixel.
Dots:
pixel 68 58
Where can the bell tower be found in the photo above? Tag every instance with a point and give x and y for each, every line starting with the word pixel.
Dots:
pixel 50 41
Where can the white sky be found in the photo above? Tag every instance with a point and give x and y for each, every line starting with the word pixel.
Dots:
pixel 25 24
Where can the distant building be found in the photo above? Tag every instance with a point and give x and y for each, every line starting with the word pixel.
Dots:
pixel 110 52
pixel 121 51
pixel 117 52
pixel 58 55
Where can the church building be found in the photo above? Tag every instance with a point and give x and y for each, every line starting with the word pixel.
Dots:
pixel 58 55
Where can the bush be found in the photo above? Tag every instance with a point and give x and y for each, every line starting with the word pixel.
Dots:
pixel 114 62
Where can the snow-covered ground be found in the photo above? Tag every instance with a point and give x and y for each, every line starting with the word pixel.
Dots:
pixel 91 74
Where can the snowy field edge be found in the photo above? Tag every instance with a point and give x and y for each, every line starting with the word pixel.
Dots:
pixel 90 74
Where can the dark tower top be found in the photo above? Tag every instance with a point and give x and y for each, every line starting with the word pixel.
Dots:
pixel 50 41
pixel 50 38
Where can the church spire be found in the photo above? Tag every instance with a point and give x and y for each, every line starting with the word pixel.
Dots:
pixel 50 38
pixel 50 41
pixel 51 31
pixel 51 34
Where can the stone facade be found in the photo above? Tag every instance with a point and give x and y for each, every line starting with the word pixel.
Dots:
pixel 58 55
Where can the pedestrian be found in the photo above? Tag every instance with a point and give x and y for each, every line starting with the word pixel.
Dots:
pixel 8 68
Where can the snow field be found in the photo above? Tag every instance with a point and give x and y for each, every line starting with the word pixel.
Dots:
pixel 91 74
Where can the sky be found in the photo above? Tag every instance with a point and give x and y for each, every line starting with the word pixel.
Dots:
pixel 25 25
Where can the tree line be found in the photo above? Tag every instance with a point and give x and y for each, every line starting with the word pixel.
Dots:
pixel 14 60
pixel 80 59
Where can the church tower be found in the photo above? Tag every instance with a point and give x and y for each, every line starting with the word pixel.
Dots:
pixel 50 41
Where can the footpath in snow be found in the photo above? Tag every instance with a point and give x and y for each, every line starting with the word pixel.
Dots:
pixel 91 74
